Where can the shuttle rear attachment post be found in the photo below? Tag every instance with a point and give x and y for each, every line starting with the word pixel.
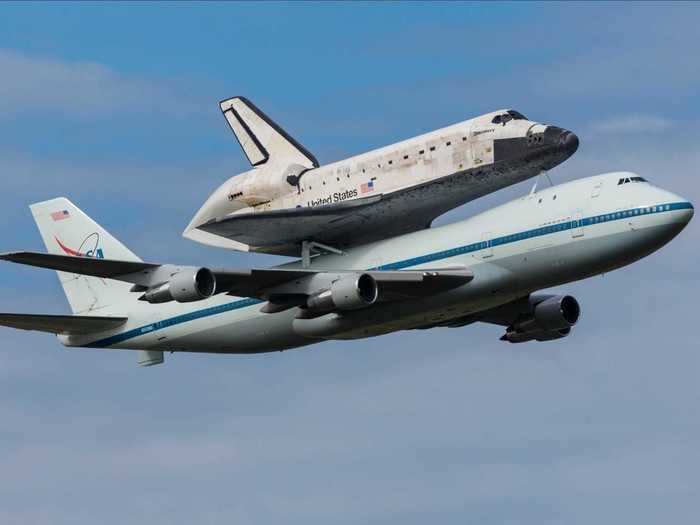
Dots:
pixel 288 199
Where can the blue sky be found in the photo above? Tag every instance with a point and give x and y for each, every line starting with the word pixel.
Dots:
pixel 115 106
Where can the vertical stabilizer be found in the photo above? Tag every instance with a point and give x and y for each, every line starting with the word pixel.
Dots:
pixel 66 230
pixel 262 139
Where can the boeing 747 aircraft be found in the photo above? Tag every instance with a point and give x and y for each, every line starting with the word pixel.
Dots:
pixel 288 202
pixel 489 268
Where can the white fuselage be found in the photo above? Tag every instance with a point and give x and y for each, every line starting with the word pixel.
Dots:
pixel 558 235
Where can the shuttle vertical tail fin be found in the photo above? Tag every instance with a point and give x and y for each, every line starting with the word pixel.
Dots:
pixel 261 138
pixel 67 230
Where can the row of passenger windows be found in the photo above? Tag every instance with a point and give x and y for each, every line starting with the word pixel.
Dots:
pixel 630 213
pixel 626 180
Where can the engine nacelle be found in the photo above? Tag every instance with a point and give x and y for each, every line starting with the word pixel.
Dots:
pixel 350 292
pixel 521 337
pixel 186 286
pixel 550 319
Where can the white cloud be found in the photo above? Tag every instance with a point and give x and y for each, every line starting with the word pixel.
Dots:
pixel 625 124
pixel 46 85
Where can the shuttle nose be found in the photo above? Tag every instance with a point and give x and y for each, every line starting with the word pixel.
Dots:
pixel 564 140
pixel 542 147
pixel 568 141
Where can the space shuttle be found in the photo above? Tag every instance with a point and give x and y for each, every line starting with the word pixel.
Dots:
pixel 288 204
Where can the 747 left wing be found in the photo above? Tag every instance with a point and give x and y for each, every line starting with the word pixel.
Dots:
pixel 315 292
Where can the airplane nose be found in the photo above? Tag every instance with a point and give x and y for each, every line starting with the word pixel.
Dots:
pixel 677 215
pixel 687 213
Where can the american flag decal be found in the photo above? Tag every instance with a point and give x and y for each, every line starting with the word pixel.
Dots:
pixel 60 215
pixel 367 187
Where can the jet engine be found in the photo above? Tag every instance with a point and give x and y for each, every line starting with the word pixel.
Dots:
pixel 550 319
pixel 350 292
pixel 188 285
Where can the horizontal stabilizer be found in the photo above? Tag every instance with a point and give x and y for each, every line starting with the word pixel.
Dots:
pixel 106 268
pixel 61 324
pixel 261 138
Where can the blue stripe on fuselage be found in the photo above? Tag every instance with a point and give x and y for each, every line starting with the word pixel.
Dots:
pixel 407 263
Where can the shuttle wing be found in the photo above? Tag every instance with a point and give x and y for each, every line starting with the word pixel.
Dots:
pixel 261 138
pixel 345 223
pixel 280 231
pixel 341 224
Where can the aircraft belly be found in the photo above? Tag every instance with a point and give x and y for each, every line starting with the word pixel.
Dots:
pixel 245 332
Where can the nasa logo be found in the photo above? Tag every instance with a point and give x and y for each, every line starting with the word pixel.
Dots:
pixel 88 248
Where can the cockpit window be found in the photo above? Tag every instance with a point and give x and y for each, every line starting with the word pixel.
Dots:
pixel 501 119
pixel 516 115
pixel 625 180
pixel 508 116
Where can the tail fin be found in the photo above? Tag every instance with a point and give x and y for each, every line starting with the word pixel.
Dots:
pixel 66 230
pixel 261 138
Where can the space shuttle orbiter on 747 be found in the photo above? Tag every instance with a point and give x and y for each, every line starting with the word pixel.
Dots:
pixel 288 201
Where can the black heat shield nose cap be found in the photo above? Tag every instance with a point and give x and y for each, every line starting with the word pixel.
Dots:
pixel 569 142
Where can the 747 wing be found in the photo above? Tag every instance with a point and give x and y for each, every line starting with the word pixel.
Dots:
pixel 315 291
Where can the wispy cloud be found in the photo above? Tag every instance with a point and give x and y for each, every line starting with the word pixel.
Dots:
pixel 625 124
pixel 32 84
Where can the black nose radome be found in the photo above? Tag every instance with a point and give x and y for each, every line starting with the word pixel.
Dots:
pixel 564 140
pixel 569 142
